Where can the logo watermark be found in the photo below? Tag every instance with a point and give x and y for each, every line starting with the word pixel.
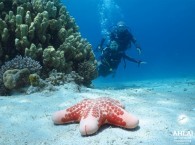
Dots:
pixel 183 137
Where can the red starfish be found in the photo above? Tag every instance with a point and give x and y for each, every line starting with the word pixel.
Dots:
pixel 92 113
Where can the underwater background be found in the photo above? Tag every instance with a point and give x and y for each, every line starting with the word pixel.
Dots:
pixel 165 29
pixel 160 93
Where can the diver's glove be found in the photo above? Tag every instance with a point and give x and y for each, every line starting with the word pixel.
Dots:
pixel 141 62
pixel 139 50
pixel 99 48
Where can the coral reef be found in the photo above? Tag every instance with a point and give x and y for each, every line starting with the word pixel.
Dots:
pixel 35 80
pixel 15 78
pixel 3 90
pixel 88 71
pixel 20 62
pixel 56 78
pixel 44 31
pixel 14 73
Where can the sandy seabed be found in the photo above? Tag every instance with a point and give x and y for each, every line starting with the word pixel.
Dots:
pixel 165 108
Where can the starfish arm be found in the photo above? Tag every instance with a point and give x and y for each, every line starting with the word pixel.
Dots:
pixel 88 125
pixel 123 119
pixel 110 101
pixel 72 114
pixel 91 119
pixel 64 116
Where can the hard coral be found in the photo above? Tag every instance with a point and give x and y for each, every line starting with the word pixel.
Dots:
pixel 20 62
pixel 87 70
pixel 15 78
pixel 12 72
pixel 44 31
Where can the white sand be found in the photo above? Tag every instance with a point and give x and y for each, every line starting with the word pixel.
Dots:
pixel 164 108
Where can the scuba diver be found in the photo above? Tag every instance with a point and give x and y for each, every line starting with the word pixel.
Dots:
pixel 120 40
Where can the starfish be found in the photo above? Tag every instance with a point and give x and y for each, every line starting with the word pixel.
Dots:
pixel 92 113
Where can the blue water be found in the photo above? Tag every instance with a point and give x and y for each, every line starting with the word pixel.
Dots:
pixel 165 30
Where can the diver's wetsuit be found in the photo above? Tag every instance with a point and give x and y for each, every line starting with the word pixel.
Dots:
pixel 109 62
pixel 110 59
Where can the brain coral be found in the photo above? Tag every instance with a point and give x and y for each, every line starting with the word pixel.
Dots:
pixel 44 31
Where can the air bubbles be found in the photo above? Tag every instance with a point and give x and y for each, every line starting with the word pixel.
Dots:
pixel 109 14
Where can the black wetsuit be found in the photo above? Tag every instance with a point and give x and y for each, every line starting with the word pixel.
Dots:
pixel 110 59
